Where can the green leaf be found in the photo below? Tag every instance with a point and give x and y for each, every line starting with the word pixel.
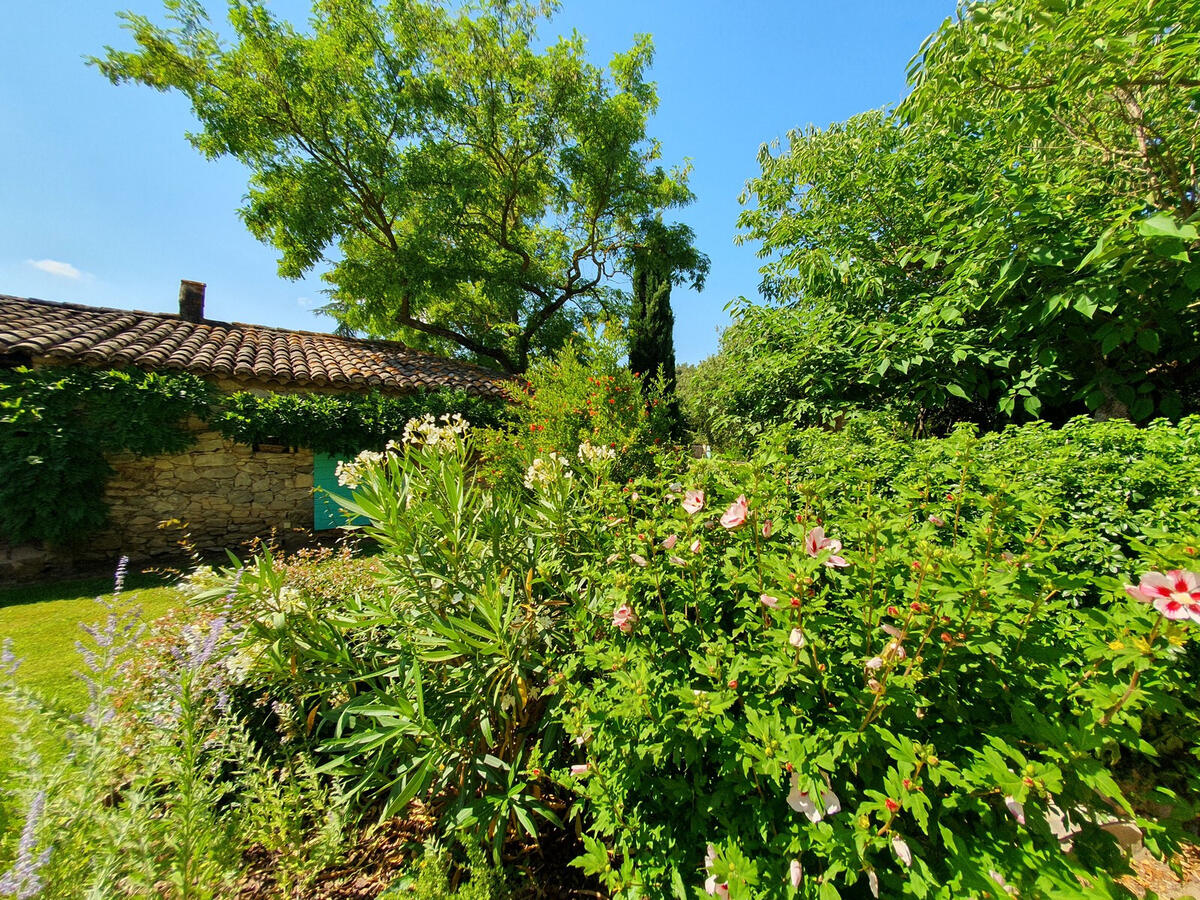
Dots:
pixel 1163 224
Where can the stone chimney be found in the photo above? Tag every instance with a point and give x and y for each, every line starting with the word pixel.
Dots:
pixel 191 301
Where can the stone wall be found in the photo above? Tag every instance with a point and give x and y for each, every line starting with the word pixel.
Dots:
pixel 220 494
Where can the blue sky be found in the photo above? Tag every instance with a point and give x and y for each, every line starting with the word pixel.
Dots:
pixel 102 200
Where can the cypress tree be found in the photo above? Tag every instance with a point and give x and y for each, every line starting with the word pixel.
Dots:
pixel 663 257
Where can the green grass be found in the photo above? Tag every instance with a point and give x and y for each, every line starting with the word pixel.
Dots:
pixel 44 623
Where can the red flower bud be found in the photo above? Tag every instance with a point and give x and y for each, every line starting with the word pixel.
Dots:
pixel 892 805
pixel 733 684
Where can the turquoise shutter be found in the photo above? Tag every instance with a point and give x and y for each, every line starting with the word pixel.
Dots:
pixel 326 513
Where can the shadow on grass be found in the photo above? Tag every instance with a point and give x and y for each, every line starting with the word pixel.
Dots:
pixel 75 588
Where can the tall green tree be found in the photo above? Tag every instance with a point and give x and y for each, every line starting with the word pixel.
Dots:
pixel 1019 240
pixel 470 192
pixel 665 256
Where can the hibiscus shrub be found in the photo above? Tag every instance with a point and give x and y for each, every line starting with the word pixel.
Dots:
pixel 807 681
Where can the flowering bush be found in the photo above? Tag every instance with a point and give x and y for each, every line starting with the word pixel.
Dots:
pixel 584 394
pixel 905 666
pixel 844 688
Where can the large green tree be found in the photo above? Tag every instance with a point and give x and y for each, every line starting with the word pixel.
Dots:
pixel 1018 240
pixel 471 191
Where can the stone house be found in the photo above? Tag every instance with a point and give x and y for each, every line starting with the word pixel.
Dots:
pixel 223 493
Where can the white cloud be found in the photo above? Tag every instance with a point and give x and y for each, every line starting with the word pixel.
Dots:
pixel 54 267
pixel 303 301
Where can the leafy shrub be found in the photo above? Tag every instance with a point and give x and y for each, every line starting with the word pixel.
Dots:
pixel 1113 485
pixel 889 669
pixel 433 684
pixel 433 878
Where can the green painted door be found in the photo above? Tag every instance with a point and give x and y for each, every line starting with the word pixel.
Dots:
pixel 326 513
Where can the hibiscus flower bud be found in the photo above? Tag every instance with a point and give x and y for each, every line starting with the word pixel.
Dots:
pixel 795 873
pixel 892 805
pixel 1015 808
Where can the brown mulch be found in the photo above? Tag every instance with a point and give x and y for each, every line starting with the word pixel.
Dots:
pixel 380 856
pixel 369 867
pixel 1152 875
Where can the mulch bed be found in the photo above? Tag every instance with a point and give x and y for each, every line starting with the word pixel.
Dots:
pixel 382 853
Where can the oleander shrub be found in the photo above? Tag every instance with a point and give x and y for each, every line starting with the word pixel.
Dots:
pixel 430 681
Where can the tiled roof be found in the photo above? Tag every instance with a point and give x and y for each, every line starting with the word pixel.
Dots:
pixel 69 333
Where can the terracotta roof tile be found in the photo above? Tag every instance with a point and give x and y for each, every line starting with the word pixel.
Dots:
pixel 71 333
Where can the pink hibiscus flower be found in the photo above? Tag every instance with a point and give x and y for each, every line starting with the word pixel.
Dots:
pixel 711 887
pixel 769 601
pixel 669 543
pixel 802 801
pixel 1176 594
pixel 815 541
pixel 624 617
pixel 735 516
pixel 1016 809
pixel 693 502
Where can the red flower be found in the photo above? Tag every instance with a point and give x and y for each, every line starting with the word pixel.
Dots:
pixel 892 805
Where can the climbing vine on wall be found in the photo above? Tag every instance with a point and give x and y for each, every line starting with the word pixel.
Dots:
pixel 57 425
pixel 340 423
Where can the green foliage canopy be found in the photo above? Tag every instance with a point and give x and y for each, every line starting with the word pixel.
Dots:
pixel 1019 239
pixel 472 193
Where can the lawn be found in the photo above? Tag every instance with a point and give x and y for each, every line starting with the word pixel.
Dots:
pixel 44 622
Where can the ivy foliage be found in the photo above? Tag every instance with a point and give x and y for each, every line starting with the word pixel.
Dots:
pixel 339 423
pixel 56 425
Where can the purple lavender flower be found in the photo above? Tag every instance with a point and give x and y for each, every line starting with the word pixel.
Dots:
pixel 8 662
pixel 22 880
pixel 119 575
